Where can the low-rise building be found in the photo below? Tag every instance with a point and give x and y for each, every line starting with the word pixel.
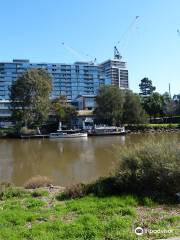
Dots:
pixel 84 102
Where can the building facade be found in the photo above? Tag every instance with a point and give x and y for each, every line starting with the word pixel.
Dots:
pixel 115 72
pixel 70 80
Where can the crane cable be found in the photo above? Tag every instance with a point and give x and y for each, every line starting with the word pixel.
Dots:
pixel 125 35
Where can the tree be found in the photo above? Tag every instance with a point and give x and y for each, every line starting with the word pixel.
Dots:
pixel 176 100
pixel 146 87
pixel 29 96
pixel 110 102
pixel 133 111
pixel 153 105
pixel 58 108
pixel 168 105
pixel 63 111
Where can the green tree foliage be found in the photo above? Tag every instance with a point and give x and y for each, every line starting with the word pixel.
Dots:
pixel 58 107
pixel 168 105
pixel 63 111
pixel 146 87
pixel 176 99
pixel 154 105
pixel 109 108
pixel 133 111
pixel 30 97
pixel 115 106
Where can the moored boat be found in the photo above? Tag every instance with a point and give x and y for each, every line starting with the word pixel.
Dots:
pixel 68 134
pixel 106 131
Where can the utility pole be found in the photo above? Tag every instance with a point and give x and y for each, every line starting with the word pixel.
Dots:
pixel 170 90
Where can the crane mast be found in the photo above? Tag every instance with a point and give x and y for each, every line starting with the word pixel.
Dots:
pixel 117 54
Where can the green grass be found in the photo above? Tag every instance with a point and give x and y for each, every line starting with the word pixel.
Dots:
pixel 39 215
pixel 162 125
pixel 156 125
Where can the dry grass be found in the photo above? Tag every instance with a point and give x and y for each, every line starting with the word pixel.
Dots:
pixel 153 215
pixel 37 182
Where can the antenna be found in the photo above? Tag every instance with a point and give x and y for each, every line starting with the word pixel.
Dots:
pixel 169 89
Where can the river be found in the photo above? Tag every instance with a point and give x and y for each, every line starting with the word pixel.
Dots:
pixel 66 161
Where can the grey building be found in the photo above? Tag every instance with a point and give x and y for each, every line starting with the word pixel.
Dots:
pixel 115 72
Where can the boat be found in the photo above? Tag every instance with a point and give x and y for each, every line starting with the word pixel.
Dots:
pixel 72 133
pixel 104 130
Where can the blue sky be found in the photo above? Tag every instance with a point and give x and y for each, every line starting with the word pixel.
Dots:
pixel 35 30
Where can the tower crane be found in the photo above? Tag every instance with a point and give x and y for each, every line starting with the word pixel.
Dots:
pixel 117 54
pixel 72 50
pixel 77 54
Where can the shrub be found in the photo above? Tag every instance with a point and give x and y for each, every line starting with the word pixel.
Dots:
pixel 7 132
pixel 150 168
pixel 103 186
pixel 73 191
pixel 12 192
pixel 26 131
pixel 37 182
pixel 33 203
pixel 39 193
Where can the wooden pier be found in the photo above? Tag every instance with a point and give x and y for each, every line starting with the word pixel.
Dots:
pixel 35 136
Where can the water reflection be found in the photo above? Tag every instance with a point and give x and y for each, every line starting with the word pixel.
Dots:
pixel 66 161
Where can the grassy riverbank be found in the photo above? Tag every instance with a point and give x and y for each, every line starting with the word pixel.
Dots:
pixel 152 127
pixel 38 215
pixel 105 209
pixel 149 127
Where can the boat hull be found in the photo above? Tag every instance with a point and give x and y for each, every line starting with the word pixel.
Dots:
pixel 107 134
pixel 79 135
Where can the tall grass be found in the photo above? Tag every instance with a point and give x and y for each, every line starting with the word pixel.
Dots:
pixel 151 167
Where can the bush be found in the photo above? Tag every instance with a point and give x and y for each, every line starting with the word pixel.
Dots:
pixel 39 193
pixel 103 186
pixel 12 192
pixel 73 191
pixel 7 132
pixel 26 131
pixel 37 182
pixel 150 168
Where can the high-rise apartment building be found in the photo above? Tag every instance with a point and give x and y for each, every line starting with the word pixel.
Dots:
pixel 70 80
pixel 116 72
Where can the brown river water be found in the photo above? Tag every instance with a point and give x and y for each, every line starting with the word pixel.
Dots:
pixel 66 161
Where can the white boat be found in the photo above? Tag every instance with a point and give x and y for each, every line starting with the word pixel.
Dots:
pixel 104 130
pixel 68 134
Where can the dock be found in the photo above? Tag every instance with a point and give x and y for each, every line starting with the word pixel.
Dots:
pixel 34 136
